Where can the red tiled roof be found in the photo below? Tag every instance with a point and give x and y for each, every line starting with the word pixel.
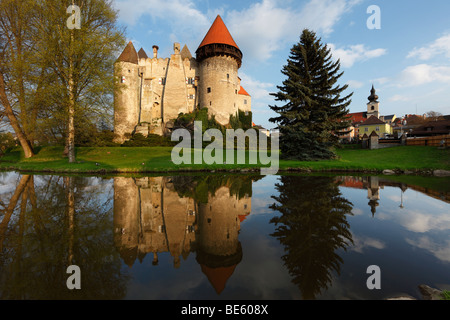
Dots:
pixel 242 91
pixel 372 120
pixel 218 33
pixel 129 54
pixel 357 117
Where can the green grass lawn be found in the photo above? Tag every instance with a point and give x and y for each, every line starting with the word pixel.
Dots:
pixel 158 159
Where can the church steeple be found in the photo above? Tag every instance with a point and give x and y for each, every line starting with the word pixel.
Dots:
pixel 373 97
pixel 373 105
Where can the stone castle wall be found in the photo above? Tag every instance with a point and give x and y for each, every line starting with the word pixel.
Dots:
pixel 218 87
pixel 155 91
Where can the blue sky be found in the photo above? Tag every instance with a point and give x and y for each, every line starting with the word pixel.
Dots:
pixel 407 60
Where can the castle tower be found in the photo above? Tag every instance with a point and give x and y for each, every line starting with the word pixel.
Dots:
pixel 219 59
pixel 127 97
pixel 373 107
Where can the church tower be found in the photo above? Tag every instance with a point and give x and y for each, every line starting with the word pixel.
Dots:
pixel 219 59
pixel 373 107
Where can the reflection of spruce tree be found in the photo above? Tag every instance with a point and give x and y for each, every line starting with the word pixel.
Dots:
pixel 312 227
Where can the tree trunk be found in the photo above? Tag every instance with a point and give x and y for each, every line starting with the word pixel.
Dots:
pixel 26 145
pixel 68 181
pixel 70 124
pixel 10 209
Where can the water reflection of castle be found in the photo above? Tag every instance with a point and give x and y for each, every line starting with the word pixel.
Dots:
pixel 150 216
pixel 373 184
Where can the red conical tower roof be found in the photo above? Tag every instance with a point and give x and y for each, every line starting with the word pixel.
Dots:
pixel 129 54
pixel 218 33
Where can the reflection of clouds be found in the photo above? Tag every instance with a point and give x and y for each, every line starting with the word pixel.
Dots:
pixel 421 213
pixel 357 212
pixel 440 251
pixel 363 242
pixel 394 198
pixel 263 272
pixel 261 203
pixel 421 222
pixel 8 182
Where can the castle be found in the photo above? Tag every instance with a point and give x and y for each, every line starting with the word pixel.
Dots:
pixel 153 91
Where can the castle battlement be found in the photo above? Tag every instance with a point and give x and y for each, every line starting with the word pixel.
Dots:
pixel 153 91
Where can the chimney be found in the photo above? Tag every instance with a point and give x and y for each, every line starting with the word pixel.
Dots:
pixel 155 51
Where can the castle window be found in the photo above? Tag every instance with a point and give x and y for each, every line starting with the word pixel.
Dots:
pixel 373 108
pixel 377 128
pixel 366 129
pixel 162 81
pixel 228 76
pixel 210 103
pixel 208 90
pixel 245 101
pixel 235 91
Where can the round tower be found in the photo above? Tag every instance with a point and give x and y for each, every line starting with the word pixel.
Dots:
pixel 219 59
pixel 127 95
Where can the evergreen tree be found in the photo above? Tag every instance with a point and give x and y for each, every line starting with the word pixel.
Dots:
pixel 314 110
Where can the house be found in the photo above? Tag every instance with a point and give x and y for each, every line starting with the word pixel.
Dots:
pixel 432 128
pixel 382 128
pixel 388 119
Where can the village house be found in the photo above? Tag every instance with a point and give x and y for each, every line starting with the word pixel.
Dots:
pixel 381 128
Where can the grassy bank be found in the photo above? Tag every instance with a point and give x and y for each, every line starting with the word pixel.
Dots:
pixel 158 159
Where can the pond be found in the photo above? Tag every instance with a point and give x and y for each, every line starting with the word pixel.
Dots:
pixel 221 236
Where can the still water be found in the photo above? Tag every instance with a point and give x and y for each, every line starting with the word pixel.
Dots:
pixel 222 236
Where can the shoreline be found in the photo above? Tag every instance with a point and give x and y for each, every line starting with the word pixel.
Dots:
pixel 256 170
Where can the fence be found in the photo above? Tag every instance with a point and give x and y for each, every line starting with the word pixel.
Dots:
pixel 429 141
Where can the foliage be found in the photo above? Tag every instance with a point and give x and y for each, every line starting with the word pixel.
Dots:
pixel 446 295
pixel 314 108
pixel 153 140
pixel 49 69
pixel 241 120
pixel 7 141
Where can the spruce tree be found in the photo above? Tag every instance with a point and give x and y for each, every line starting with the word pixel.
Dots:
pixel 314 111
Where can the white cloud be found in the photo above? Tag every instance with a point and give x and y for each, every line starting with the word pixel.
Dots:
pixel 182 14
pixel 399 97
pixel 422 74
pixel 259 30
pixel 256 88
pixel 355 53
pixel 440 46
pixel 266 26
pixel 355 84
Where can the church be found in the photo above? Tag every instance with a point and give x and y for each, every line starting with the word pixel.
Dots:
pixel 153 91
pixel 368 121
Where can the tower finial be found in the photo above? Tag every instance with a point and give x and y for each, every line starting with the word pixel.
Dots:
pixel 373 97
